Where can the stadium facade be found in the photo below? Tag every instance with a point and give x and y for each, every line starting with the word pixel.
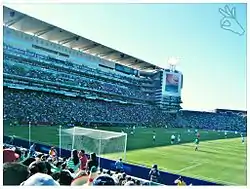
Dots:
pixel 31 45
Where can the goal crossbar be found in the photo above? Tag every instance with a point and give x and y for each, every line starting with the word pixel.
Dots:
pixel 93 133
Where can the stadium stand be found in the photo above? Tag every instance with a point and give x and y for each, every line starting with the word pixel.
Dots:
pixel 213 120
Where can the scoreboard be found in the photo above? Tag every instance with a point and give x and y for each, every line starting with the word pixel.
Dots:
pixel 172 83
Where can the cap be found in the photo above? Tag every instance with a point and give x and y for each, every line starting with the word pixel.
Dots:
pixel 104 181
pixel 40 179
pixel 9 155
pixel 154 166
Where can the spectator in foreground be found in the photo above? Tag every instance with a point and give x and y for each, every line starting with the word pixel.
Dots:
pixel 28 161
pixel 65 178
pixel 154 174
pixel 104 181
pixel 40 179
pixel 9 155
pixel 37 167
pixel 85 179
pixel 14 173
pixel 80 179
pixel 83 160
pixel 119 165
pixel 53 153
pixel 32 150
pixel 129 183
pixel 122 178
pixel 180 182
pixel 93 161
pixel 73 162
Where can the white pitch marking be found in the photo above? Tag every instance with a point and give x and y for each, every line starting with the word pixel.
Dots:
pixel 190 167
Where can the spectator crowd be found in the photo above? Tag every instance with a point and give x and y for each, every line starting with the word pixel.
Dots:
pixel 37 107
pixel 213 121
pixel 28 168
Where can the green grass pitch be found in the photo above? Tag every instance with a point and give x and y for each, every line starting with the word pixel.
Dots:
pixel 218 159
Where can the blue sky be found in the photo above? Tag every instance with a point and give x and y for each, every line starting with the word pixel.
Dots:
pixel 213 60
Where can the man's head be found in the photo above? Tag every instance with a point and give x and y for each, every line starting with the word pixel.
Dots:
pixel 128 178
pixel 14 173
pixel 39 156
pixel 104 181
pixel 37 167
pixel 81 153
pixel 129 183
pixel 154 166
pixel 138 182
pixel 18 151
pixel 59 164
pixel 9 155
pixel 93 156
pixel 65 178
pixel 74 153
pixel 28 161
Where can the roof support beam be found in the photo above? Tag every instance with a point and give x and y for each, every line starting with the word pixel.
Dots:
pixel 108 53
pixel 120 59
pixel 89 47
pixel 64 41
pixel 44 31
pixel 14 21
pixel 148 66
pixel 138 62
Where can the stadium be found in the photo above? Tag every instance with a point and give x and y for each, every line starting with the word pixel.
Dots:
pixel 64 91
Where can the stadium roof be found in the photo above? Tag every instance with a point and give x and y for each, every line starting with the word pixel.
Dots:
pixel 33 26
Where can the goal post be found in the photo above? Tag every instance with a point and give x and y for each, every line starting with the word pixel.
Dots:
pixel 107 144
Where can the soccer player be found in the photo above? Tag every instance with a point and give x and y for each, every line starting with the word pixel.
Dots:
pixel 172 139
pixel 132 132
pixel 154 136
pixel 225 134
pixel 242 138
pixel 179 138
pixel 197 141
pixel 198 135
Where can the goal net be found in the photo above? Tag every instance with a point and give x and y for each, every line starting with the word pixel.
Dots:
pixel 105 144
